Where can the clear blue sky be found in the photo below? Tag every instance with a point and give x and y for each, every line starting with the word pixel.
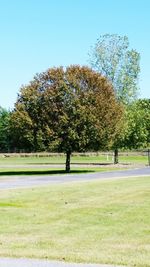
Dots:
pixel 38 34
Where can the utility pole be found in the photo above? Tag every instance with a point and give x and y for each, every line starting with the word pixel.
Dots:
pixel 148 153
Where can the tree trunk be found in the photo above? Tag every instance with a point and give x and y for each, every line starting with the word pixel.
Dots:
pixel 35 140
pixel 68 154
pixel 116 158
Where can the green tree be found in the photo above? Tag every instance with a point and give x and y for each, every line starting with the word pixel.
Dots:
pixel 4 130
pixel 74 109
pixel 21 127
pixel 25 122
pixel 137 134
pixel 112 57
pixel 144 105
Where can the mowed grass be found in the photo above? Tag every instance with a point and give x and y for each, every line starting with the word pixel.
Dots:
pixel 56 164
pixel 53 171
pixel 101 159
pixel 100 222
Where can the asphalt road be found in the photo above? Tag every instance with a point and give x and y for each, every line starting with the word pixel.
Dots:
pixel 10 182
pixel 42 263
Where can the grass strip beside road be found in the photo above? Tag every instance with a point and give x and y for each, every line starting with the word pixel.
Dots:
pixel 74 159
pixel 100 222
pixel 53 171
pixel 56 164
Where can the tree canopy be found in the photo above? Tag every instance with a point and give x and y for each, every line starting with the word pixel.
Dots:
pixel 137 133
pixel 72 109
pixel 112 57
pixel 4 130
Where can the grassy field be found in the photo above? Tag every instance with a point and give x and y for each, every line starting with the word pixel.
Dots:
pixel 54 170
pixel 101 222
pixel 126 159
pixel 56 164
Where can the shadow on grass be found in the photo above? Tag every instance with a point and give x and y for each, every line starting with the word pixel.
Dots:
pixel 42 172
pixel 72 163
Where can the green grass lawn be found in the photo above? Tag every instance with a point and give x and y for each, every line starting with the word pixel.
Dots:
pixel 53 171
pixel 56 164
pixel 99 222
pixel 74 159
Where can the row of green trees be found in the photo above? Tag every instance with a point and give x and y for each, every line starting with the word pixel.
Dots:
pixel 79 108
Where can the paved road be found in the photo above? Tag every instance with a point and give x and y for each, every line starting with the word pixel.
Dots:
pixel 10 182
pixel 41 263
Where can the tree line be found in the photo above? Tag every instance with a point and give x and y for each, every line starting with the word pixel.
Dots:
pixel 81 108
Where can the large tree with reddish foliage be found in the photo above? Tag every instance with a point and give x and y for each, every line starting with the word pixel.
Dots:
pixel 66 110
